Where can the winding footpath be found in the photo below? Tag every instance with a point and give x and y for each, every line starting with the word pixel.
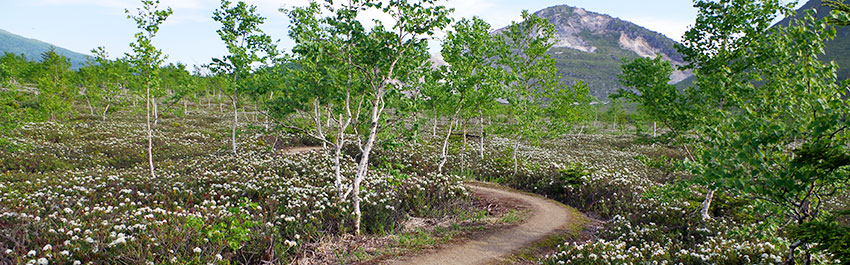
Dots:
pixel 548 217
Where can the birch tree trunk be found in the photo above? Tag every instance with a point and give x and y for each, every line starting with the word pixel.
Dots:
pixel 235 121
pixel 150 129
pixel 654 130
pixel 271 96
pixel 155 111
pixel 104 111
pixel 220 103
pixel 317 118
pixel 363 165
pixel 340 136
pixel 481 139
pixel 91 108
pixel 706 205
pixel 514 156
pixel 444 153
pixel 463 152
pixel 434 129
pixel 340 143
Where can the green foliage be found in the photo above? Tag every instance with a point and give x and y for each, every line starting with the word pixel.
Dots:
pixel 532 73
pixel 245 41
pixel 840 12
pixel 829 235
pixel 17 108
pixel 246 44
pixel 102 80
pixel 234 230
pixel 471 79
pixel 573 175
pixel 650 80
pixel 17 69
pixel 533 86
pixel 54 85
pixel 568 107
pixel 773 117
pixel 181 83
pixel 146 58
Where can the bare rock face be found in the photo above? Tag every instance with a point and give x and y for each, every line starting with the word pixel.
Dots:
pixel 575 25
pixel 644 49
pixel 590 46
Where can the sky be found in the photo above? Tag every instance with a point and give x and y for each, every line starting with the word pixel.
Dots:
pixel 189 36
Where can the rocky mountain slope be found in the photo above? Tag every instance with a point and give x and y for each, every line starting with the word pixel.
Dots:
pixel 590 47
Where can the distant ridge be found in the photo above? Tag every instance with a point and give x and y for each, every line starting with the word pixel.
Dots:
pixel 838 49
pixel 32 48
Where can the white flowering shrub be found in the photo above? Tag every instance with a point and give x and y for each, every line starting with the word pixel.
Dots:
pixel 624 243
pixel 623 182
pixel 78 193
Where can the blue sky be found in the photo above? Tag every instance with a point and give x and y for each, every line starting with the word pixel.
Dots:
pixel 189 35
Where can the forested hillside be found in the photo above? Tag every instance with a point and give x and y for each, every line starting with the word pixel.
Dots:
pixel 32 48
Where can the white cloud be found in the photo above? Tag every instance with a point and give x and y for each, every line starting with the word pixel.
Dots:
pixel 184 4
pixel 671 28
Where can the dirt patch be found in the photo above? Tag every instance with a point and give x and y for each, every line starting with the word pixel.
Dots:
pixel 299 149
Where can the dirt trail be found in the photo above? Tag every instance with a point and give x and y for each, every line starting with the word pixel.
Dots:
pixel 548 216
pixel 299 149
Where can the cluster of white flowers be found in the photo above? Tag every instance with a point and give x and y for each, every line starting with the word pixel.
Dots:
pixel 103 209
pixel 649 244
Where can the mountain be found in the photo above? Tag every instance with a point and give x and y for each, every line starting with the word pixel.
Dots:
pixel 590 47
pixel 33 48
pixel 838 49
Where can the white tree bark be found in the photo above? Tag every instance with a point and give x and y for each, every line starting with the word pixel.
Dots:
pixel 654 130
pixel 463 151
pixel 91 108
pixel 106 109
pixel 514 156
pixel 706 205
pixel 444 151
pixel 155 112
pixel 150 129
pixel 235 122
pixel 317 118
pixel 363 165
pixel 481 132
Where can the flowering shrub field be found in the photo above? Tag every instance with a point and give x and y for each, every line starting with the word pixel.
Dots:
pixel 79 193
pixel 625 184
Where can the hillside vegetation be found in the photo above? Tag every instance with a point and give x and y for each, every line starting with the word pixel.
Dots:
pixel 33 49
pixel 352 147
pixel 591 47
